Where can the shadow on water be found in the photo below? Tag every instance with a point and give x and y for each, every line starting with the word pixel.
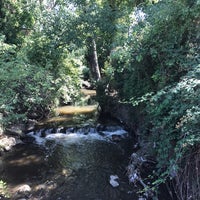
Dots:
pixel 71 157
pixel 23 164
pixel 69 170
pixel 71 162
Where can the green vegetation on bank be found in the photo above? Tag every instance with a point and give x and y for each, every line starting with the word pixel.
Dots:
pixel 142 51
pixel 157 65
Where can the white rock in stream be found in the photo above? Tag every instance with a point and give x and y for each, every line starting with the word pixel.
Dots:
pixel 7 143
pixel 24 189
pixel 113 181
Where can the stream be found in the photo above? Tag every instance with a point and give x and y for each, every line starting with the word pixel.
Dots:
pixel 71 157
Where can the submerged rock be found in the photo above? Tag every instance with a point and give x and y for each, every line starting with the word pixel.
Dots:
pixel 116 138
pixel 22 192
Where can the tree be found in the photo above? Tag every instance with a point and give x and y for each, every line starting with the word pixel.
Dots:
pixel 17 20
pixel 157 48
pixel 38 67
pixel 95 28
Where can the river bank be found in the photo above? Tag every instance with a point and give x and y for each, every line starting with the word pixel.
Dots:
pixel 142 161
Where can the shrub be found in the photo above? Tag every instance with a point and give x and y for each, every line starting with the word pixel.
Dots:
pixel 30 90
pixel 174 115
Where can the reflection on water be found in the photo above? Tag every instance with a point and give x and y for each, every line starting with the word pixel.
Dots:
pixel 92 163
pixel 59 119
pixel 23 164
pixel 69 115
pixel 76 166
pixel 71 160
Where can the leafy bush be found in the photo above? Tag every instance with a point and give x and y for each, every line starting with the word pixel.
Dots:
pixel 63 64
pixel 174 115
pixel 160 49
pixel 158 64
pixel 17 19
pixel 30 90
pixel 25 88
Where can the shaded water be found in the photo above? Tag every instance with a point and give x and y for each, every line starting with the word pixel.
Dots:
pixel 71 162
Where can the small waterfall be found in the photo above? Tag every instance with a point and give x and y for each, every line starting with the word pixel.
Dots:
pixel 100 132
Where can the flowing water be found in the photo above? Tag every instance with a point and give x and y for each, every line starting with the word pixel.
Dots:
pixel 72 161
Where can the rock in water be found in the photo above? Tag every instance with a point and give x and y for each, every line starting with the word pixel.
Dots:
pixel 113 181
pixel 24 189
pixel 7 143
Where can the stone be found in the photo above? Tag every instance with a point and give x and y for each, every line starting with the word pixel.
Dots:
pixel 142 198
pixel 86 84
pixel 116 138
pixel 7 143
pixel 16 130
pixel 24 189
pixel 31 124
pixel 113 181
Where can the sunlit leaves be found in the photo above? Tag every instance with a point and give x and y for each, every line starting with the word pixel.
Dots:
pixel 17 20
pixel 175 117
pixel 3 189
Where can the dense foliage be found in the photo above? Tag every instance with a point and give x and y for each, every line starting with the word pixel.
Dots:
pixel 142 51
pixel 37 72
pixel 156 63
pixel 160 47
pixel 174 115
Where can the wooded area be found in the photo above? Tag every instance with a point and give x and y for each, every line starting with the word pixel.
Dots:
pixel 141 51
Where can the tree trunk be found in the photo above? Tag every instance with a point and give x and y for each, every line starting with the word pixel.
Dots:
pixel 1 125
pixel 92 59
pixel 95 63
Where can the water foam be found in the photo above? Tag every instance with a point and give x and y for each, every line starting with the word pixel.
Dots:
pixel 78 136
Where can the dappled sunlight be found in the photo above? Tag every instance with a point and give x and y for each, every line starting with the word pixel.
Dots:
pixel 59 119
pixel 25 160
pixel 99 100
pixel 45 186
pixel 76 109
pixel 75 166
pixel 37 191
pixel 88 92
pixel 40 188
